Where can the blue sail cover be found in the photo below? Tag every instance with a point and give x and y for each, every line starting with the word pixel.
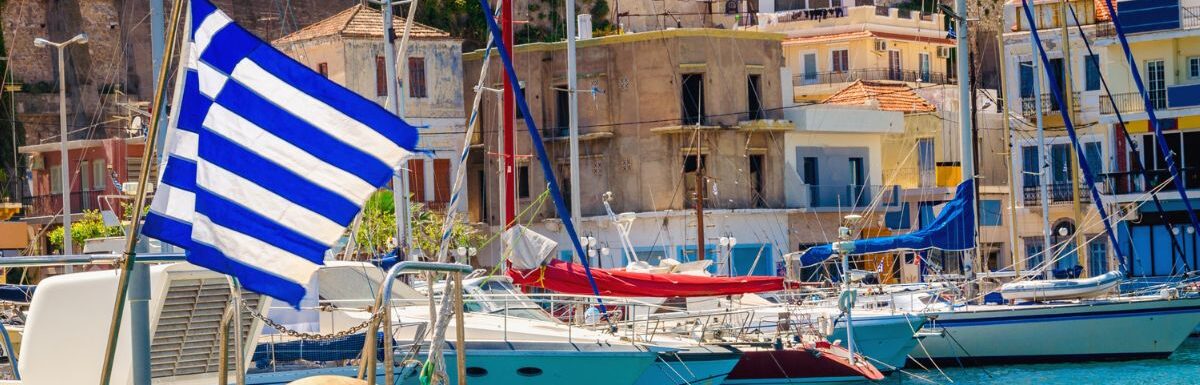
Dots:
pixel 953 229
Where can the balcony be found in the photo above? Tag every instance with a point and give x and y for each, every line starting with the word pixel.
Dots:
pixel 50 205
pixel 1059 192
pixel 1175 96
pixel 836 77
pixel 1138 182
pixel 1050 106
pixel 848 197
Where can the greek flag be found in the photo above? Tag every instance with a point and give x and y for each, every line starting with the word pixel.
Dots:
pixel 267 161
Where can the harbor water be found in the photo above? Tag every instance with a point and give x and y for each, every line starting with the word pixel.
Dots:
pixel 1183 367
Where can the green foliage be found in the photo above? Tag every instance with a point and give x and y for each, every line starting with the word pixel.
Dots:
pixel 461 18
pixel 90 226
pixel 379 226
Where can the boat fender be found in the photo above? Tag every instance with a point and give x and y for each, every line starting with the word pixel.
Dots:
pixel 778 343
pixel 1169 293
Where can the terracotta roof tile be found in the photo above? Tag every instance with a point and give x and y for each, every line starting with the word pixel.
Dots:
pixel 358 21
pixel 885 96
pixel 1102 10
pixel 863 34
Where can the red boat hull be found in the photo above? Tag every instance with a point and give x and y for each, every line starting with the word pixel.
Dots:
pixel 817 364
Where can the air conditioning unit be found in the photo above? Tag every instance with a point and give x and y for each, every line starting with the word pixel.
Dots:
pixel 943 52
pixel 880 45
pixel 130 188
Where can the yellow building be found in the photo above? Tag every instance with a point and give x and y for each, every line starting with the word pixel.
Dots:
pixel 1164 37
pixel 841 45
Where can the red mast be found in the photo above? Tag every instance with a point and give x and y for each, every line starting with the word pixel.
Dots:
pixel 510 207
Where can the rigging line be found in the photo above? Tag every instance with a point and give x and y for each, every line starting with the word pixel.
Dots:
pixel 1152 118
pixel 1079 150
pixel 1137 161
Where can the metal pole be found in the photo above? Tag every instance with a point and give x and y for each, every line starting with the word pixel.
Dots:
pixel 460 339
pixel 1008 144
pixel 1043 160
pixel 573 106
pixel 139 203
pixel 699 197
pixel 139 322
pixel 400 182
pixel 65 174
pixel 223 337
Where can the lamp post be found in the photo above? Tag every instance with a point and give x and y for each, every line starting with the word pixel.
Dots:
pixel 65 175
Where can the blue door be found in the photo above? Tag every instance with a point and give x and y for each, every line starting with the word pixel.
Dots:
pixel 752 259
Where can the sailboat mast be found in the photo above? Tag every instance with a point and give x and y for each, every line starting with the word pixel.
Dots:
pixel 1043 160
pixel 699 198
pixel 1008 145
pixel 1069 105
pixel 964 112
pixel 573 115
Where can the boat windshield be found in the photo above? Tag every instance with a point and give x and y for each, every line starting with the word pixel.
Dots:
pixel 355 287
pixel 500 297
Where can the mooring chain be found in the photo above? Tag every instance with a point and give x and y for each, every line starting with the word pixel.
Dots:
pixel 378 314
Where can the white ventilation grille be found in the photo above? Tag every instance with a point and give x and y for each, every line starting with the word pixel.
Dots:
pixel 187 335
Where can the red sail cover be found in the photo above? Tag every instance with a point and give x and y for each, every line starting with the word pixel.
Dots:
pixel 570 278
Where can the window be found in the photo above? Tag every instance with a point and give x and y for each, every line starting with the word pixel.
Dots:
pixel 85 178
pixel 1030 166
pixel 754 97
pixel 1156 82
pixel 132 163
pixel 1033 253
pixel 925 214
pixel 1094 156
pixel 840 60
pixel 989 212
pixel 1092 72
pixel 692 93
pixel 1097 258
pixel 1193 67
pixel 692 168
pixel 1027 79
pixel 55 179
pixel 756 181
pixel 1060 164
pixel 380 76
pixel 441 180
pixel 899 220
pixel 925 162
pixel 924 67
pixel 811 176
pixel 895 69
pixel 523 181
pixel 416 179
pixel 810 67
pixel 323 69
pixel 562 111
pixel 416 77
pixel 99 174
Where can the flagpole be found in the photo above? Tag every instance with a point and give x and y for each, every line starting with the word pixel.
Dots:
pixel 126 264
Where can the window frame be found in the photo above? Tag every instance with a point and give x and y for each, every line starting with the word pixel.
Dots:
pixel 380 76
pixel 417 78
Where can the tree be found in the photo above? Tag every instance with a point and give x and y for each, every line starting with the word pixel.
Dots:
pixel 378 227
pixel 91 226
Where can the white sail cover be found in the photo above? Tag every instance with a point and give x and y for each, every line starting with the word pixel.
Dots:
pixel 529 249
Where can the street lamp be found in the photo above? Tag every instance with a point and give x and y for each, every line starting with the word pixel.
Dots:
pixel 65 175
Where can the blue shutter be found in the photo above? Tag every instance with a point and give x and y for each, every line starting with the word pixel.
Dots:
pixel 989 212
pixel 1026 79
pixel 1092 71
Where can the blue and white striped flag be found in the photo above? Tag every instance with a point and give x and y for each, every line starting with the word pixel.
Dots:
pixel 268 161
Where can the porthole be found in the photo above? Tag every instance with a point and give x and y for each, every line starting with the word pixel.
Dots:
pixel 475 371
pixel 529 371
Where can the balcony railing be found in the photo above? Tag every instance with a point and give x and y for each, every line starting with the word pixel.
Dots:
pixel 51 204
pixel 835 77
pixel 1131 102
pixel 1059 192
pixel 848 196
pixel 1050 105
pixel 1137 182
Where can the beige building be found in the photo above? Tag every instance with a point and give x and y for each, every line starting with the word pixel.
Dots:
pixel 348 48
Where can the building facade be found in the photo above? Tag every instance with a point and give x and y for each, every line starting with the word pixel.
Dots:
pixel 348 49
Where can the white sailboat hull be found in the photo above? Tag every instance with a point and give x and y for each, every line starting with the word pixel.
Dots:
pixel 1087 331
